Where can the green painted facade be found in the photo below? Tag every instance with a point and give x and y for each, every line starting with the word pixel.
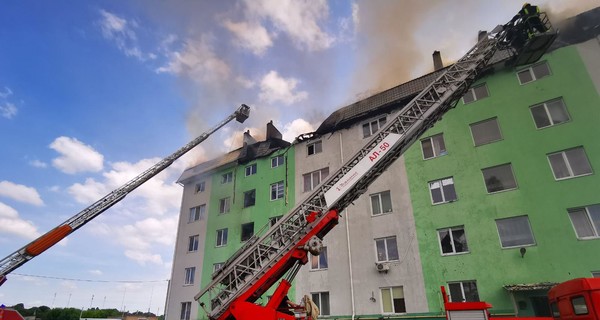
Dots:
pixel 260 213
pixel 557 255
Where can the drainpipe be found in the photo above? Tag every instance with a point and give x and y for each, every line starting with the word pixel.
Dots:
pixel 348 239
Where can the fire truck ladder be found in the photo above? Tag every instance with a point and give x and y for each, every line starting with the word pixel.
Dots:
pixel 44 242
pixel 247 274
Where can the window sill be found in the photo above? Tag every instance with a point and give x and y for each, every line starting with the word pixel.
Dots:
pixel 455 254
pixel 519 246
pixel 435 157
pixel 501 191
pixel 187 285
pixel 445 202
pixel 317 270
pixel 573 177
pixel 552 125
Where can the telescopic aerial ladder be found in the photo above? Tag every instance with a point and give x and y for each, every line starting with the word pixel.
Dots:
pixel 282 249
pixel 47 240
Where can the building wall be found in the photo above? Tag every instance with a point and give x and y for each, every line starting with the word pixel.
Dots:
pixel 557 254
pixel 178 291
pixel 351 244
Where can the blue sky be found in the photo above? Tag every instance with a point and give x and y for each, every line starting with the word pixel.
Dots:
pixel 94 92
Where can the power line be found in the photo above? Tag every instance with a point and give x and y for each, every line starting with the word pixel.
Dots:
pixel 88 280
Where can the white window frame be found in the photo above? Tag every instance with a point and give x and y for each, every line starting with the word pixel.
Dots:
pixel 517 245
pixel 436 153
pixel 190 274
pixel 462 289
pixel 227 177
pixel 316 262
pixel 221 239
pixel 197 213
pixel 317 147
pixel 319 302
pixel 251 169
pixel 544 105
pixel 391 295
pixel 472 92
pixel 248 192
pixel 186 310
pixel 568 164
pixel 450 230
pixel 200 187
pixel 277 161
pixel 444 196
pixel 379 199
pixel 217 266
pixel 242 231
pixel 224 205
pixel 494 119
pixel 532 74
pixel 589 219
pixel 193 243
pixel 387 253
pixel 278 193
pixel 503 190
pixel 322 174
pixel 373 126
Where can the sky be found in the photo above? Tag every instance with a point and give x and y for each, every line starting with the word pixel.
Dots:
pixel 92 93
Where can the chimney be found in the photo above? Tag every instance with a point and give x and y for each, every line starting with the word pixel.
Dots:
pixel 272 132
pixel 248 139
pixel 481 35
pixel 437 61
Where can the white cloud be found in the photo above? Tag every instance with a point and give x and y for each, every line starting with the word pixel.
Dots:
pixel 38 164
pixel 11 223
pixel 20 193
pixel 275 88
pixel 295 128
pixel 251 36
pixel 245 82
pixel 8 110
pixel 7 92
pixel 96 272
pixel 76 156
pixel 199 62
pixel 140 238
pixel 298 19
pixel 121 32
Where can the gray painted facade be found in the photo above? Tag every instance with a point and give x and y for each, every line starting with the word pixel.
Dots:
pixel 351 279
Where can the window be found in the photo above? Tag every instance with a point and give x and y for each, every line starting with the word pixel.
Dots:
pixel 533 73
pixel 595 274
pixel 499 178
pixel 249 198
pixel 277 161
pixel 515 232
pixel 251 169
pixel 197 213
pixel 221 237
pixel 314 148
pixel 372 127
pixel 273 221
pixel 387 249
pixel 569 163
pixel 217 266
pixel 433 146
pixel 189 275
pixel 586 221
pixel 486 131
pixel 313 179
pixel 224 205
pixel 321 299
pixel 193 243
pixel 476 93
pixel 381 203
pixel 463 291
pixel 200 186
pixel 319 262
pixel 186 308
pixel 277 190
pixel 442 190
pixel 392 300
pixel 579 305
pixel 247 231
pixel 227 177
pixel 453 240
pixel 549 113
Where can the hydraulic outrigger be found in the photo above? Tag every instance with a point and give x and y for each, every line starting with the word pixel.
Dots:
pixel 52 237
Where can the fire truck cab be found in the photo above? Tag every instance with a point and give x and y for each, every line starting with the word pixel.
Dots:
pixel 577 299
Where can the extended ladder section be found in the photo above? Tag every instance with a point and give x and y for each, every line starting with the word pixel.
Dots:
pixel 52 237
pixel 243 276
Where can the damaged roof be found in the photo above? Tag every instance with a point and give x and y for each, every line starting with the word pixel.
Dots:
pixel 574 30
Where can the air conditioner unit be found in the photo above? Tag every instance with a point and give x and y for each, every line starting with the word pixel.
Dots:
pixel 382 267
